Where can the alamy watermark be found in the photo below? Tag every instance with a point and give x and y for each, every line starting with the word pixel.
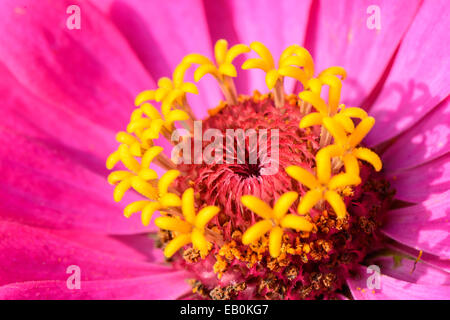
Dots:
pixel 74 280
pixel 374 19
pixel 74 20
pixel 373 281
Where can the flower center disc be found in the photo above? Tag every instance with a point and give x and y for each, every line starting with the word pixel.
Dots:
pixel 311 265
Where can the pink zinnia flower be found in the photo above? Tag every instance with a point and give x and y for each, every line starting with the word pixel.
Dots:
pixel 66 93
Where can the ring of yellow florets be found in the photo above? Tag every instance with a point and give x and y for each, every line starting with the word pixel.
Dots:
pixel 336 167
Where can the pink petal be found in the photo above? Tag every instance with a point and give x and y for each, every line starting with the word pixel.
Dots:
pixel 339 36
pixel 435 261
pixel 163 286
pixel 394 289
pixel 162 33
pixel 427 140
pixel 418 81
pixel 92 72
pixel 422 273
pixel 423 226
pixel 135 247
pixel 423 182
pixel 32 254
pixel 47 184
pixel 24 113
pixel 277 24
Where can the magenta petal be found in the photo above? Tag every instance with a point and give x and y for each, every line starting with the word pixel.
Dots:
pixel 92 72
pixel 423 182
pixel 277 24
pixel 394 289
pixel 47 184
pixel 418 80
pixel 427 140
pixel 32 254
pixel 25 113
pixel 134 247
pixel 404 270
pixel 435 261
pixel 338 35
pixel 423 226
pixel 162 286
pixel 162 33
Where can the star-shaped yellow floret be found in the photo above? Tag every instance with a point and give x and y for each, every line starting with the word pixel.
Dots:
pixel 164 200
pixel 343 116
pixel 274 220
pixel 292 59
pixel 347 143
pixel 222 69
pixel 147 124
pixel 223 61
pixel 139 174
pixel 170 91
pixel 324 110
pixel 323 186
pixel 191 229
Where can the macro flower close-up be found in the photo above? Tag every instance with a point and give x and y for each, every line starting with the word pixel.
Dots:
pixel 225 150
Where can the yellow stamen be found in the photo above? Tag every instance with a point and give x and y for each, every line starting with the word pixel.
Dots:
pixel 121 188
pixel 256 231
pixel 274 220
pixel 173 224
pixel 303 176
pixel 148 211
pixel 199 241
pixel 144 96
pixel 334 93
pixel 309 200
pixel 336 202
pixel 342 180
pixel 361 131
pixel 298 223
pixel 257 206
pixel 369 156
pixel 290 63
pixel 323 187
pixel 205 215
pixel 134 207
pixel 348 143
pixel 193 228
pixel 166 180
pixel 275 237
pixel 223 70
pixel 315 100
pixel 173 92
pixel 335 71
pixel 176 244
pixel 117 176
pixel 283 204
pixel 144 188
pixel 312 119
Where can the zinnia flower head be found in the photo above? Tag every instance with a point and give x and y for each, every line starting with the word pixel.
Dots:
pixel 247 233
pixel 326 172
